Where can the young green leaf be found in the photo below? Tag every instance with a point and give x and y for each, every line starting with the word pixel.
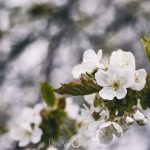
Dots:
pixel 78 88
pixel 146 43
pixel 47 93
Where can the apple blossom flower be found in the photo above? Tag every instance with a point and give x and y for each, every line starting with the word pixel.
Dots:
pixel 107 130
pixel 26 134
pixel 140 80
pixel 114 83
pixel 122 60
pixel 90 62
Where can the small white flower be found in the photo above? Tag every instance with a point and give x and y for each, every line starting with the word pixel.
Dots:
pixel 72 109
pixel 30 116
pixel 107 130
pixel 140 80
pixel 129 120
pixel 114 83
pixel 90 62
pixel 90 98
pixel 122 60
pixel 25 134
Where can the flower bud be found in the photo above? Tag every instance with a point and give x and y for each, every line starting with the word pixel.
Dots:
pixel 140 117
pixel 129 120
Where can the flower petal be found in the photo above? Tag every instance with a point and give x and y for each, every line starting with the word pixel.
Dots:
pixel 78 70
pixel 122 60
pixel 121 93
pixel 117 130
pixel 25 141
pixel 105 135
pixel 36 135
pixel 107 93
pixel 90 55
pixel 103 78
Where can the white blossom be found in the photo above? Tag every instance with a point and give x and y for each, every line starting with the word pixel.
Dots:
pixel 26 134
pixel 31 115
pixel 122 60
pixel 114 83
pixel 107 130
pixel 140 80
pixel 90 62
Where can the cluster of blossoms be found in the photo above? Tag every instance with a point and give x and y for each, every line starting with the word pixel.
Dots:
pixel 26 129
pixel 114 76
pixel 106 114
pixel 27 125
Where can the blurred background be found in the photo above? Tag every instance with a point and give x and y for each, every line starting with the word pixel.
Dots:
pixel 41 40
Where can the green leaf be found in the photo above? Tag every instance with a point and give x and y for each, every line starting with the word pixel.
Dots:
pixel 47 93
pixel 78 88
pixel 146 43
pixel 62 103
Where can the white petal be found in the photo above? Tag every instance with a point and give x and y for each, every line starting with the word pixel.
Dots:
pixel 123 60
pixel 107 93
pixel 129 120
pixel 138 116
pixel 105 135
pixel 37 119
pixel 126 78
pixel 142 73
pixel 83 68
pixel 39 107
pixel 138 86
pixel 121 93
pixel 140 80
pixel 78 70
pixel 103 78
pixel 90 55
pixel 89 98
pixel 36 135
pixel 24 142
pixel 117 130
pixel 104 125
pixel 15 133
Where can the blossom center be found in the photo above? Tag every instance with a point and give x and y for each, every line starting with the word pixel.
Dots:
pixel 116 86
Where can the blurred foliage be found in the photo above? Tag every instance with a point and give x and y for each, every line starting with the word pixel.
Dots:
pixel 146 43
pixel 48 94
